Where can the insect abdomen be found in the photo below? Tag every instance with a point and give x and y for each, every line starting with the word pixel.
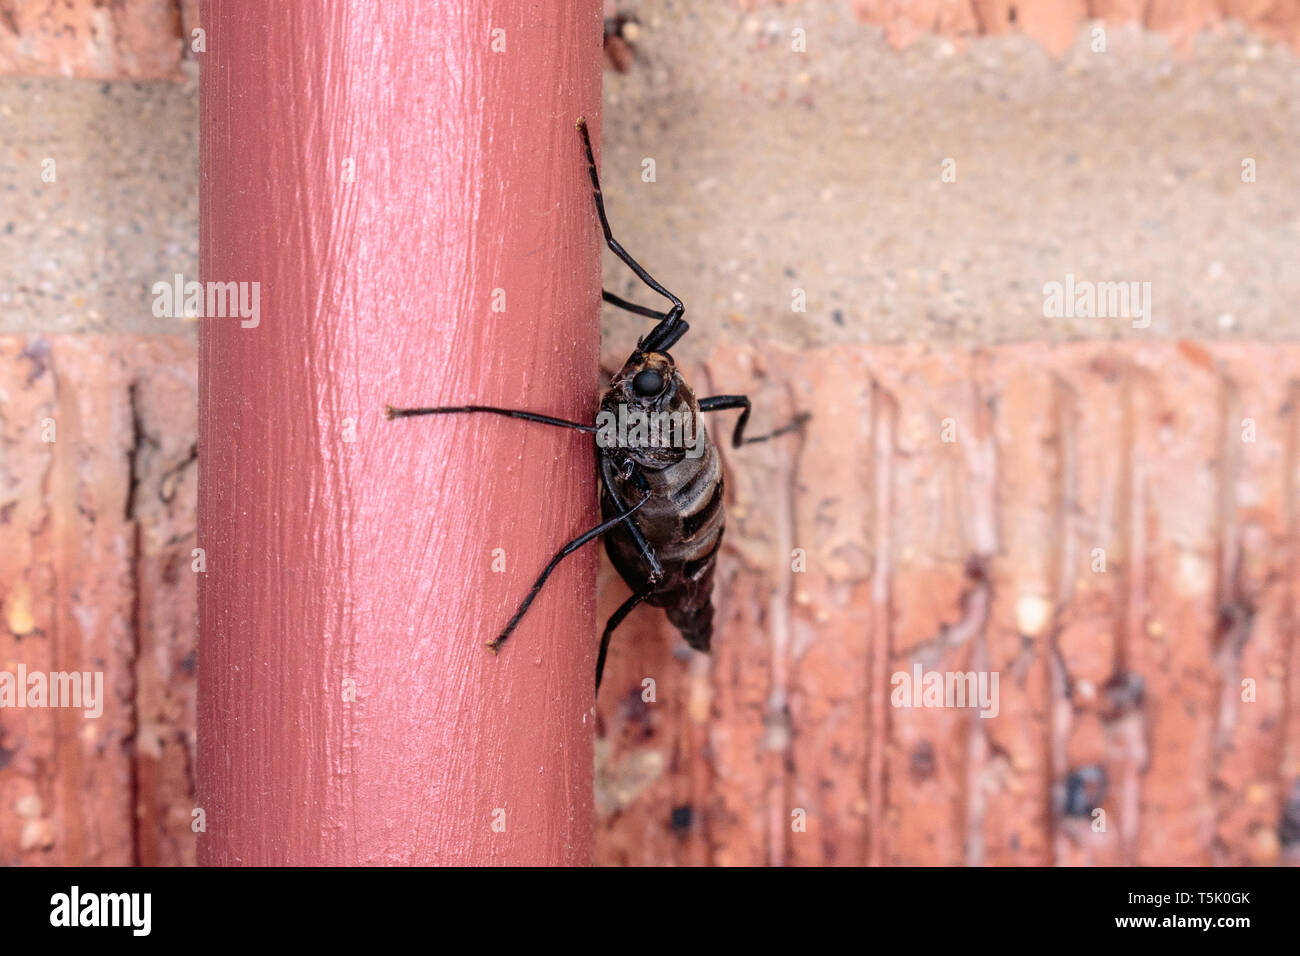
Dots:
pixel 683 522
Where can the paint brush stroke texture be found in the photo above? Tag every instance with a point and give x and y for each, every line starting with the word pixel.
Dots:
pixel 381 170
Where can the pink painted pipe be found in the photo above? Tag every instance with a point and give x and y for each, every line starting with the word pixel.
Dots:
pixel 388 174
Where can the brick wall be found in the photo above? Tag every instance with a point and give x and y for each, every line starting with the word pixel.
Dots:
pixel 1177 460
pixel 1111 528
pixel 1121 685
pixel 149 39
pixel 99 478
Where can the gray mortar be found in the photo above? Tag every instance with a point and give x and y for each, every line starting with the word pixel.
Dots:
pixel 821 171
pixel 81 253
pixel 778 170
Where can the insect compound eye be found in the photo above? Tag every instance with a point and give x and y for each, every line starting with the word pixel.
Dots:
pixel 648 383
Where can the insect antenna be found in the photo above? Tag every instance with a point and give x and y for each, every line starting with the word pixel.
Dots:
pixel 671 321
pixel 390 412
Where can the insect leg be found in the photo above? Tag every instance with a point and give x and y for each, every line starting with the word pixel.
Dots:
pixel 647 553
pixel 717 403
pixel 564 552
pixel 681 327
pixel 622 303
pixel 390 413
pixel 672 318
pixel 615 620
pixel 666 340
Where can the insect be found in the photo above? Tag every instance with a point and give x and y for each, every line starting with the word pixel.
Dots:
pixel 661 478
pixel 620 33
pixel 1085 790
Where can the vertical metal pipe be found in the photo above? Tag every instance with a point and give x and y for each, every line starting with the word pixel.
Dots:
pixel 399 189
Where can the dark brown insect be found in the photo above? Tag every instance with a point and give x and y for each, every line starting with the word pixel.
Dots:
pixel 661 478
pixel 620 32
pixel 1085 790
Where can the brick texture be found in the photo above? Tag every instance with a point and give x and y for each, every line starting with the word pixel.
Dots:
pixel 1174 464
pixel 1056 23
pixel 97 490
pixel 1112 528
pixel 149 39
pixel 136 39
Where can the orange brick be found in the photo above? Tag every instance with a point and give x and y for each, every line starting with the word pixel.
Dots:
pixel 83 591
pixel 137 40
pixel 1065 457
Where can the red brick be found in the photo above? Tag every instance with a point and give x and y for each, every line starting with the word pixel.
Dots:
pixel 905 21
pixel 81 593
pixel 1128 448
pixel 1133 448
pixel 137 40
pixel 1120 11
